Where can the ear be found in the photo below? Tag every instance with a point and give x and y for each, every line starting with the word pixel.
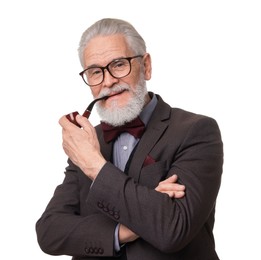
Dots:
pixel 147 66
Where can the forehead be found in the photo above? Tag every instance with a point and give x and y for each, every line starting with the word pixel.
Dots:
pixel 102 49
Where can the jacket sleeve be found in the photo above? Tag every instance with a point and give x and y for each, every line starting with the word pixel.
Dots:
pixel 167 224
pixel 64 229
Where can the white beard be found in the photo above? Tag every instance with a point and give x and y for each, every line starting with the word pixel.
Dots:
pixel 117 116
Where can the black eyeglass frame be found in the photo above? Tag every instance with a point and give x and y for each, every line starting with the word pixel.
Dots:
pixel 107 68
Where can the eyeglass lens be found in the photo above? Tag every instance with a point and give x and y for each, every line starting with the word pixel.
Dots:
pixel 118 69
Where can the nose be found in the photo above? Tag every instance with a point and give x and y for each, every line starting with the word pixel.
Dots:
pixel 109 80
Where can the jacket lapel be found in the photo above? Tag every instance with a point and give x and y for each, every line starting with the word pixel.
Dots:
pixel 106 148
pixel 154 130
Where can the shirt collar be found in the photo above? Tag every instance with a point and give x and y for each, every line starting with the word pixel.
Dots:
pixel 148 109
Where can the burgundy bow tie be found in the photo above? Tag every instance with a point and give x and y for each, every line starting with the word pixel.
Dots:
pixel 135 128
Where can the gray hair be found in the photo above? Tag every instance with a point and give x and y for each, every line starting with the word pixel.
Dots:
pixel 109 26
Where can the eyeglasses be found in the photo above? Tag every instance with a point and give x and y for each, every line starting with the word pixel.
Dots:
pixel 118 68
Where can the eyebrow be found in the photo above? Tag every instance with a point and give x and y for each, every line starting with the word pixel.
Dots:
pixel 99 66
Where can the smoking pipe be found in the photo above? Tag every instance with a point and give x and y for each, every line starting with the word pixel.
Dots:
pixel 72 116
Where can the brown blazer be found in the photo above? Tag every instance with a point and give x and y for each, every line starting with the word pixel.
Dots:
pixel 80 220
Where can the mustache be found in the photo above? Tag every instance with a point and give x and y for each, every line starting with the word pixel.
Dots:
pixel 113 90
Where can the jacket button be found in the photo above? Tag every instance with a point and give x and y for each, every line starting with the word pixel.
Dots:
pixel 116 215
pixel 100 205
pixel 89 250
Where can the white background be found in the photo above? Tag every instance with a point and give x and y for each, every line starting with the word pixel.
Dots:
pixel 206 58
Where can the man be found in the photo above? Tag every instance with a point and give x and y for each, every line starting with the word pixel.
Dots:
pixel 124 196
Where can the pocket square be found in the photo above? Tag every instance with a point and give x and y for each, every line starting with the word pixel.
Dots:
pixel 148 160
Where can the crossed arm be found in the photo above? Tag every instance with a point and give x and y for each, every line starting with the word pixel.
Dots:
pixel 75 140
pixel 168 186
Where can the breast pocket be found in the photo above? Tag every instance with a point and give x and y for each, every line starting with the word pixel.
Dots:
pixel 152 174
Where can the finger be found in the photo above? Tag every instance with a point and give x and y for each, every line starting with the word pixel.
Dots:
pixel 83 122
pixel 170 187
pixel 172 178
pixel 66 124
pixel 179 194
pixel 63 121
pixel 177 187
pixel 176 194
